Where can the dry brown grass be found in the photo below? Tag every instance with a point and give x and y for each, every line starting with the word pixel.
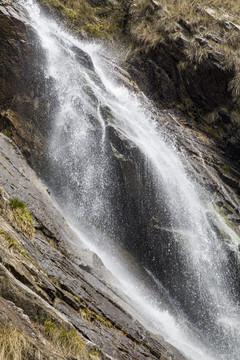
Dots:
pixel 68 342
pixel 14 345
pixel 207 27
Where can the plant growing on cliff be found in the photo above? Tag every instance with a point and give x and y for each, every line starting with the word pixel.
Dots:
pixel 14 345
pixel 22 216
pixel 17 204
pixel 67 341
pixel 103 21
pixel 203 30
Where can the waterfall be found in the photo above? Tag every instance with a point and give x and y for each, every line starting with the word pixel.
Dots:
pixel 132 199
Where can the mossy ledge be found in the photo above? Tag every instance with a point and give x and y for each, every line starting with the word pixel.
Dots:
pixel 104 21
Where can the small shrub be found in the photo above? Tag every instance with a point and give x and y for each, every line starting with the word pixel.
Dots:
pixel 17 204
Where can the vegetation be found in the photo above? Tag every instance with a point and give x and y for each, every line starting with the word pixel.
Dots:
pixel 103 22
pixel 17 204
pixel 207 29
pixel 14 345
pixel 91 316
pixel 226 168
pixel 13 245
pixel 67 341
pixel 22 216
pixel 7 132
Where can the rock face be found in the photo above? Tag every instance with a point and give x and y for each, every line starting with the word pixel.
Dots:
pixel 24 93
pixel 150 221
pixel 203 89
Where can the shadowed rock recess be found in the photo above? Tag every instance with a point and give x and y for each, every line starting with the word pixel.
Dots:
pixel 55 297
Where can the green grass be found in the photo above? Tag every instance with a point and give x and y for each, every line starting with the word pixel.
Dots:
pixel 17 204
pixel 226 168
pixel 22 216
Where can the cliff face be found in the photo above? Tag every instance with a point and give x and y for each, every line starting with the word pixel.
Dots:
pixel 54 294
pixel 55 301
pixel 24 92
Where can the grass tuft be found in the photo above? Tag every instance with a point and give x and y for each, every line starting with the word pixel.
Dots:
pixel 22 216
pixel 67 341
pixel 17 204
pixel 14 345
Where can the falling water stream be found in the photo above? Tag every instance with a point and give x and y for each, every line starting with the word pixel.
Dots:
pixel 181 286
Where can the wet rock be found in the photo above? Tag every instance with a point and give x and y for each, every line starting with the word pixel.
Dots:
pixel 24 94
pixel 225 116
pixel 83 58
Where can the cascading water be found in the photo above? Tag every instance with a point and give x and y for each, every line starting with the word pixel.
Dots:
pixel 115 174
